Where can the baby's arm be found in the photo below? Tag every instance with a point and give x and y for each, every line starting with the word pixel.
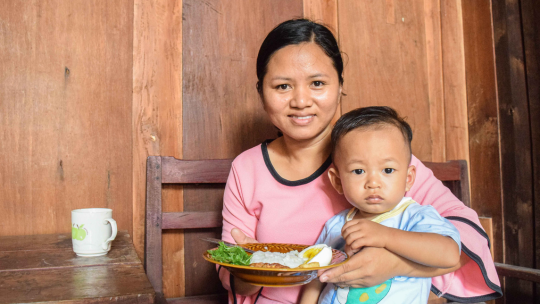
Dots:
pixel 429 249
pixel 311 292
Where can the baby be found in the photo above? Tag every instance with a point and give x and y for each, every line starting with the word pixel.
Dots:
pixel 372 153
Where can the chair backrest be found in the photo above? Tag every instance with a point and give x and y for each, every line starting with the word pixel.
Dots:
pixel 454 174
pixel 168 170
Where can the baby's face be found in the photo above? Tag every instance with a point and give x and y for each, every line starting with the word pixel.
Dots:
pixel 373 169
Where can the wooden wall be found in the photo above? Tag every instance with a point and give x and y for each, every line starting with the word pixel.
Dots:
pixel 65 111
pixel 517 42
pixel 89 90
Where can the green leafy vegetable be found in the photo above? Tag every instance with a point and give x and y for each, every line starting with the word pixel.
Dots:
pixel 231 255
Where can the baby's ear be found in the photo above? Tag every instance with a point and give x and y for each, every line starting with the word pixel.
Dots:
pixel 333 174
pixel 411 176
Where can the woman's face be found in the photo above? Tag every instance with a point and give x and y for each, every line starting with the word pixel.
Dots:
pixel 301 91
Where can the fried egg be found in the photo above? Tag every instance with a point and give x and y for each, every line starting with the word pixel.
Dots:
pixel 321 254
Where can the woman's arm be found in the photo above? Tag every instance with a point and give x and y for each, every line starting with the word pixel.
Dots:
pixel 238 227
pixel 373 266
pixel 478 277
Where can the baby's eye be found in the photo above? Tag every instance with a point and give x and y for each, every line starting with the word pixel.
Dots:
pixel 389 170
pixel 358 171
pixel 282 87
pixel 318 83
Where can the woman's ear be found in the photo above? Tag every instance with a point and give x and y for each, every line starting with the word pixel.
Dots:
pixel 333 175
pixel 411 176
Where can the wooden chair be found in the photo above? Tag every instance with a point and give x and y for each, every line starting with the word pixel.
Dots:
pixel 168 170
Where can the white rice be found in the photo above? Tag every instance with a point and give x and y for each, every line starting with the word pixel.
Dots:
pixel 289 259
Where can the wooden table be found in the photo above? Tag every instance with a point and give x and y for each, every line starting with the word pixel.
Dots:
pixel 42 268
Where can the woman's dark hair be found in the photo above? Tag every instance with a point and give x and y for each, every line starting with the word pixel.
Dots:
pixel 369 117
pixel 297 31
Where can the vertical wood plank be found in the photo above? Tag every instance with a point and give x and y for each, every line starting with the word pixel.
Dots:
pixel 157 120
pixel 323 11
pixel 390 12
pixel 455 94
pixel 487 224
pixel 515 140
pixel 224 115
pixel 482 116
pixel 387 63
pixel 65 92
pixel 432 13
pixel 530 11
pixel 153 236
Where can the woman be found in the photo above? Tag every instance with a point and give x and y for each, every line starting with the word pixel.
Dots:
pixel 280 192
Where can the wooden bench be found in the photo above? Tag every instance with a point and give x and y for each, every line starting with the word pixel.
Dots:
pixel 168 170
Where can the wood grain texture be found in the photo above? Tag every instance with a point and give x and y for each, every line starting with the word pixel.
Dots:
pixel 73 285
pixel 65 99
pixel 17 260
pixel 153 260
pixel 157 119
pixel 387 63
pixel 447 171
pixel 323 11
pixel 54 251
pixel 515 141
pixel 194 171
pixel 522 273
pixel 191 220
pixel 51 242
pixel 464 183
pixel 432 15
pixel 223 112
pixel 482 116
pixel 41 268
pixel 530 11
pixel 455 93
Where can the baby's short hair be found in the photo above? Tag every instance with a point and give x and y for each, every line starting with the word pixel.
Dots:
pixel 370 117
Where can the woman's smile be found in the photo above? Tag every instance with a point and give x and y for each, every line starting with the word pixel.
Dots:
pixel 302 120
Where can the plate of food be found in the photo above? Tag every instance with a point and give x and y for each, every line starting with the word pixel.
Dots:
pixel 275 265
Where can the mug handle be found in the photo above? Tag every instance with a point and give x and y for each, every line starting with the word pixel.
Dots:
pixel 105 245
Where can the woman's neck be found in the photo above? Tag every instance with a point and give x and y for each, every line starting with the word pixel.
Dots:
pixel 297 159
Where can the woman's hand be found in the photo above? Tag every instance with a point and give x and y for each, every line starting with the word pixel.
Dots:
pixel 369 267
pixel 241 287
pixel 240 238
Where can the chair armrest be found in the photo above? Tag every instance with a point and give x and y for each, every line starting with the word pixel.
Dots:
pixel 518 272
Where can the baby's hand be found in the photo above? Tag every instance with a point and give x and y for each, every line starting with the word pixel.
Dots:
pixel 362 233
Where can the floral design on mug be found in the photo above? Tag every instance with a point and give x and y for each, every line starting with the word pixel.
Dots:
pixel 78 233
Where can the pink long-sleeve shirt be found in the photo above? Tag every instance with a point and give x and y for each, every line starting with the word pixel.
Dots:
pixel 271 209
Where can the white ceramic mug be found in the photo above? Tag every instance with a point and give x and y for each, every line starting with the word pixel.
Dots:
pixel 92 231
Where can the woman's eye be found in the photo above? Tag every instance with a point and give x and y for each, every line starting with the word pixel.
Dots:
pixel 389 170
pixel 318 83
pixel 282 87
pixel 358 171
